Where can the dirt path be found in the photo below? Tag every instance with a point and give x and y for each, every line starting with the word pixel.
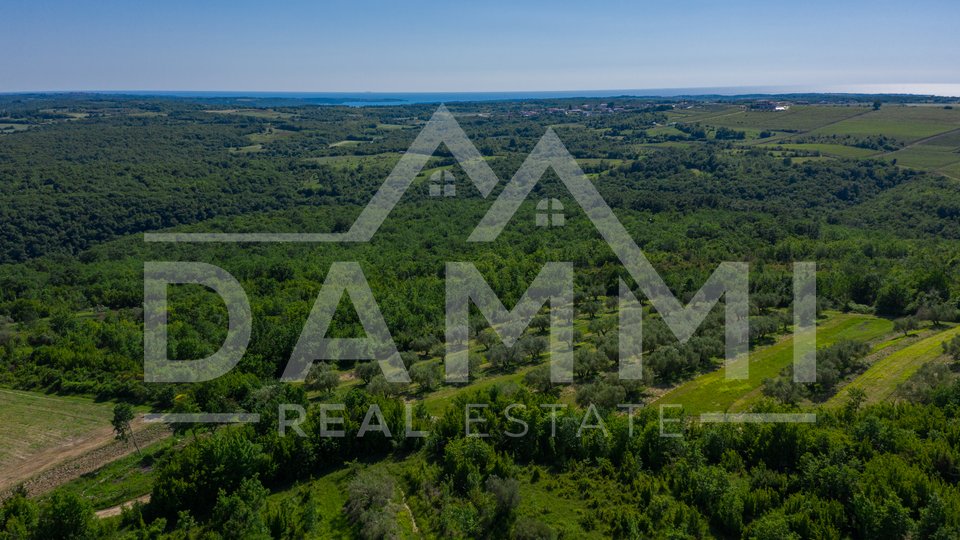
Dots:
pixel 55 466
pixel 413 520
pixel 116 510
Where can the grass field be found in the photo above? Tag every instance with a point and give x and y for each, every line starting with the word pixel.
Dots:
pixel 938 152
pixel 952 171
pixel 950 140
pixel 10 128
pixel 666 131
pixel 925 156
pixel 40 430
pixel 122 480
pixel 797 118
pixel 329 491
pixel 268 114
pixel 344 143
pixel 905 123
pixel 701 113
pixel 881 380
pixel 557 499
pixel 554 498
pixel 270 134
pixel 35 422
pixel 838 150
pixel 249 149
pixel 712 392
pixel 386 159
pixel 439 400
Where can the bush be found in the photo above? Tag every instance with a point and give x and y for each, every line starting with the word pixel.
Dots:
pixel 369 505
pixel 506 495
pixel 527 528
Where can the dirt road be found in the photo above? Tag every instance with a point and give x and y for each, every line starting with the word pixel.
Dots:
pixel 116 510
pixel 55 466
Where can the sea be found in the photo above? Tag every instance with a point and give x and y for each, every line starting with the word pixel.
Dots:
pixel 361 99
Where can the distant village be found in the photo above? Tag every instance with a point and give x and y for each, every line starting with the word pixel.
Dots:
pixel 593 109
pixel 586 109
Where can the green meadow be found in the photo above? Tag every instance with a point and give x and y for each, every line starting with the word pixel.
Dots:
pixel 881 380
pixel 713 392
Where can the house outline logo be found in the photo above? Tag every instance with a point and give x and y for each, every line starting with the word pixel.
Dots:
pixel 549 153
pixel 728 280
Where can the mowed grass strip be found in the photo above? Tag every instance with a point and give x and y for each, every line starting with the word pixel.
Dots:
pixel 438 401
pixel 712 392
pixel 797 118
pixel 925 156
pixel 838 150
pixel 952 171
pixel 35 422
pixel 119 481
pixel 881 380
pixel 905 123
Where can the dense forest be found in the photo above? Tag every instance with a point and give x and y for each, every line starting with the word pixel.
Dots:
pixel 87 175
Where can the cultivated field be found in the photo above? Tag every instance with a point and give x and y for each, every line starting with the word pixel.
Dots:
pixel 797 118
pixel 881 380
pixel 712 392
pixel 925 138
pixel 40 431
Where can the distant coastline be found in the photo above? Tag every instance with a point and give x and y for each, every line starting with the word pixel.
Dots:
pixel 407 98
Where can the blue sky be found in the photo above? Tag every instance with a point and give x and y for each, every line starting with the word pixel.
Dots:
pixel 472 46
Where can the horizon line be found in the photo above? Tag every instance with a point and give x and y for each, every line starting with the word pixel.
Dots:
pixel 918 89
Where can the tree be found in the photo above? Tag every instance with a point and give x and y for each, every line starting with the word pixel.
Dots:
pixel 952 348
pixel 238 515
pixel 602 326
pixel 855 398
pixel 533 346
pixel 541 322
pixel 322 377
pixel 506 495
pixel 591 308
pixel 665 363
pixel 62 321
pixel 905 325
pixel 772 526
pixel 426 374
pixel 487 338
pixel 587 363
pixel 122 416
pixel 936 312
pixel 18 515
pixel 503 357
pixel 380 386
pixel 65 516
pixel 761 327
pixel 783 389
pixel 538 379
pixel 893 298
pixel 366 370
pixel 602 394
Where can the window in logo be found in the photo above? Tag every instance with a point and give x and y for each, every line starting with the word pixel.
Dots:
pixel 443 183
pixel 550 213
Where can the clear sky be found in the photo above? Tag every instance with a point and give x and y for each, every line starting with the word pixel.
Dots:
pixel 475 45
